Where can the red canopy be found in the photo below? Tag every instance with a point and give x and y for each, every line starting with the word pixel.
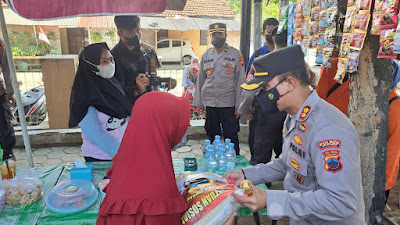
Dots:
pixel 50 9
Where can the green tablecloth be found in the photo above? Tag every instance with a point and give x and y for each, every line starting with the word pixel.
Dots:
pixel 30 214
pixel 89 216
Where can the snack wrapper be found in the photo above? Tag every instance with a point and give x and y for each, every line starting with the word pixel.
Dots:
pixel 345 46
pixel 387 35
pixel 349 21
pixel 362 20
pixel 341 71
pixel 364 5
pixel 376 23
pixel 357 39
pixel 353 59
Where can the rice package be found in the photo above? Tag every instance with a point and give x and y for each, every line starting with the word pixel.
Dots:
pixel 209 197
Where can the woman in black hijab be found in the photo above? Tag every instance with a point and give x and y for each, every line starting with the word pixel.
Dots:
pixel 98 104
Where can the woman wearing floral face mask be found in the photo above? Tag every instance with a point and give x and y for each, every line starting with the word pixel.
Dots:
pixel 98 104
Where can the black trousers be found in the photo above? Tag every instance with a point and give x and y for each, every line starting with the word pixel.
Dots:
pixel 264 143
pixel 7 136
pixel 252 129
pixel 225 118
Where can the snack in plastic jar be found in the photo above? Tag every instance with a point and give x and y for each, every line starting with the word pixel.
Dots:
pixel 349 21
pixel 364 5
pixel 357 39
pixel 387 40
pixel 331 18
pixel 353 60
pixel 341 71
pixel 376 23
pixel 362 20
pixel 306 8
pixel 315 14
pixel 345 46
pixel 209 198
pixel 24 189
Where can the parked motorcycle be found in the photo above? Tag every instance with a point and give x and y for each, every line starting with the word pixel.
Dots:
pixel 34 102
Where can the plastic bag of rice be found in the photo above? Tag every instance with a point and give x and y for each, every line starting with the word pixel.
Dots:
pixel 209 197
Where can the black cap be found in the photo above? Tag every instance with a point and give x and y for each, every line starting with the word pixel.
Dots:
pixel 217 27
pixel 280 61
pixel 127 22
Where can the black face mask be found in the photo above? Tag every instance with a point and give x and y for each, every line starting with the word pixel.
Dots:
pixel 218 42
pixel 268 38
pixel 267 100
pixel 133 41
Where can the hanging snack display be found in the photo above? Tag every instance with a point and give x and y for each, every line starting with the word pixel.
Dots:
pixel 345 46
pixel 352 63
pixel 283 18
pixel 396 42
pixel 348 25
pixel 341 71
pixel 389 12
pixel 362 20
pixel 387 41
pixel 376 23
pixel 364 5
pixel 291 15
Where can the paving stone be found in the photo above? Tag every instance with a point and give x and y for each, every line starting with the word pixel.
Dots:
pixel 39 159
pixel 72 150
pixel 175 155
pixel 58 148
pixel 184 149
pixel 187 155
pixel 55 154
pixel 80 154
pixel 21 164
pixel 21 156
pixel 42 151
pixel 192 142
pixel 16 151
pixel 52 162
pixel 38 165
pixel 197 146
pixel 69 157
pixel 197 151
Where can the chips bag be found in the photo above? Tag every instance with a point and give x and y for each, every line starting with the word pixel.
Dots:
pixel 306 8
pixel 341 71
pixel 305 26
pixel 389 11
pixel 315 14
pixel 327 57
pixel 313 41
pixel 362 20
pixel 345 46
pixel 209 198
pixel 364 5
pixel 387 35
pixel 357 39
pixel 320 55
pixel 376 23
pixel 331 18
pixel 353 59
pixel 349 21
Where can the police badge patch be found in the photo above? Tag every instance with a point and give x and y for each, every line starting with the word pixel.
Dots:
pixel 298 140
pixel 331 143
pixel 302 127
pixel 305 112
pixel 295 164
pixel 299 179
pixel 332 161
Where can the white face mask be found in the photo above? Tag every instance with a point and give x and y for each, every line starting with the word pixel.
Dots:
pixel 107 71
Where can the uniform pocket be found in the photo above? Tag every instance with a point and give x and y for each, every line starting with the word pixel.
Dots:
pixel 298 169
pixel 209 69
pixel 228 68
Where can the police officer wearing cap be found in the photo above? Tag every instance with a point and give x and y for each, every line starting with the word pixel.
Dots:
pixel 320 163
pixel 133 59
pixel 218 84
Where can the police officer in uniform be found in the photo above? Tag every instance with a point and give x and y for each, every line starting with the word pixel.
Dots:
pixel 133 59
pixel 320 162
pixel 218 84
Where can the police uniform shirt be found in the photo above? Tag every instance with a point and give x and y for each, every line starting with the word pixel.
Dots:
pixel 319 166
pixel 220 77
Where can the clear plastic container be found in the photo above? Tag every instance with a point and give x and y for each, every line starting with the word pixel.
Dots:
pixel 72 196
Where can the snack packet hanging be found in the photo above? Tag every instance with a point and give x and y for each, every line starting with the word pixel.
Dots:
pixel 345 45
pixel 378 6
pixel 315 14
pixel 297 35
pixel 298 21
pixel 327 57
pixel 290 31
pixel 376 23
pixel 305 26
pixel 348 25
pixel 353 59
pixel 330 35
pixel 341 71
pixel 306 8
pixel 389 11
pixel 323 19
pixel 324 4
pixel 304 45
pixel 313 41
pixel 314 28
pixel 292 10
pixel 332 4
pixel 331 18
pixel 322 37
pixel 320 55
pixel 351 3
pixel 283 18
pixel 299 8
pixel 396 43
pixel 364 5
pixel 357 39
pixel 387 35
pixel 362 20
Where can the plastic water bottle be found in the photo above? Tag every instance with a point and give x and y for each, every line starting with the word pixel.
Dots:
pixel 217 138
pixel 206 144
pixel 230 157
pixel 211 162
pixel 216 144
pixel 227 142
pixel 221 158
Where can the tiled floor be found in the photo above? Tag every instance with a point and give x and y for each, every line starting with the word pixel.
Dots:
pixel 59 156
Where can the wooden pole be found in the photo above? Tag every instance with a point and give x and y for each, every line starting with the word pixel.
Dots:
pixel 90 35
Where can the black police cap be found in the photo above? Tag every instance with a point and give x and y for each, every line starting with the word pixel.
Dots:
pixel 217 27
pixel 278 62
pixel 127 22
